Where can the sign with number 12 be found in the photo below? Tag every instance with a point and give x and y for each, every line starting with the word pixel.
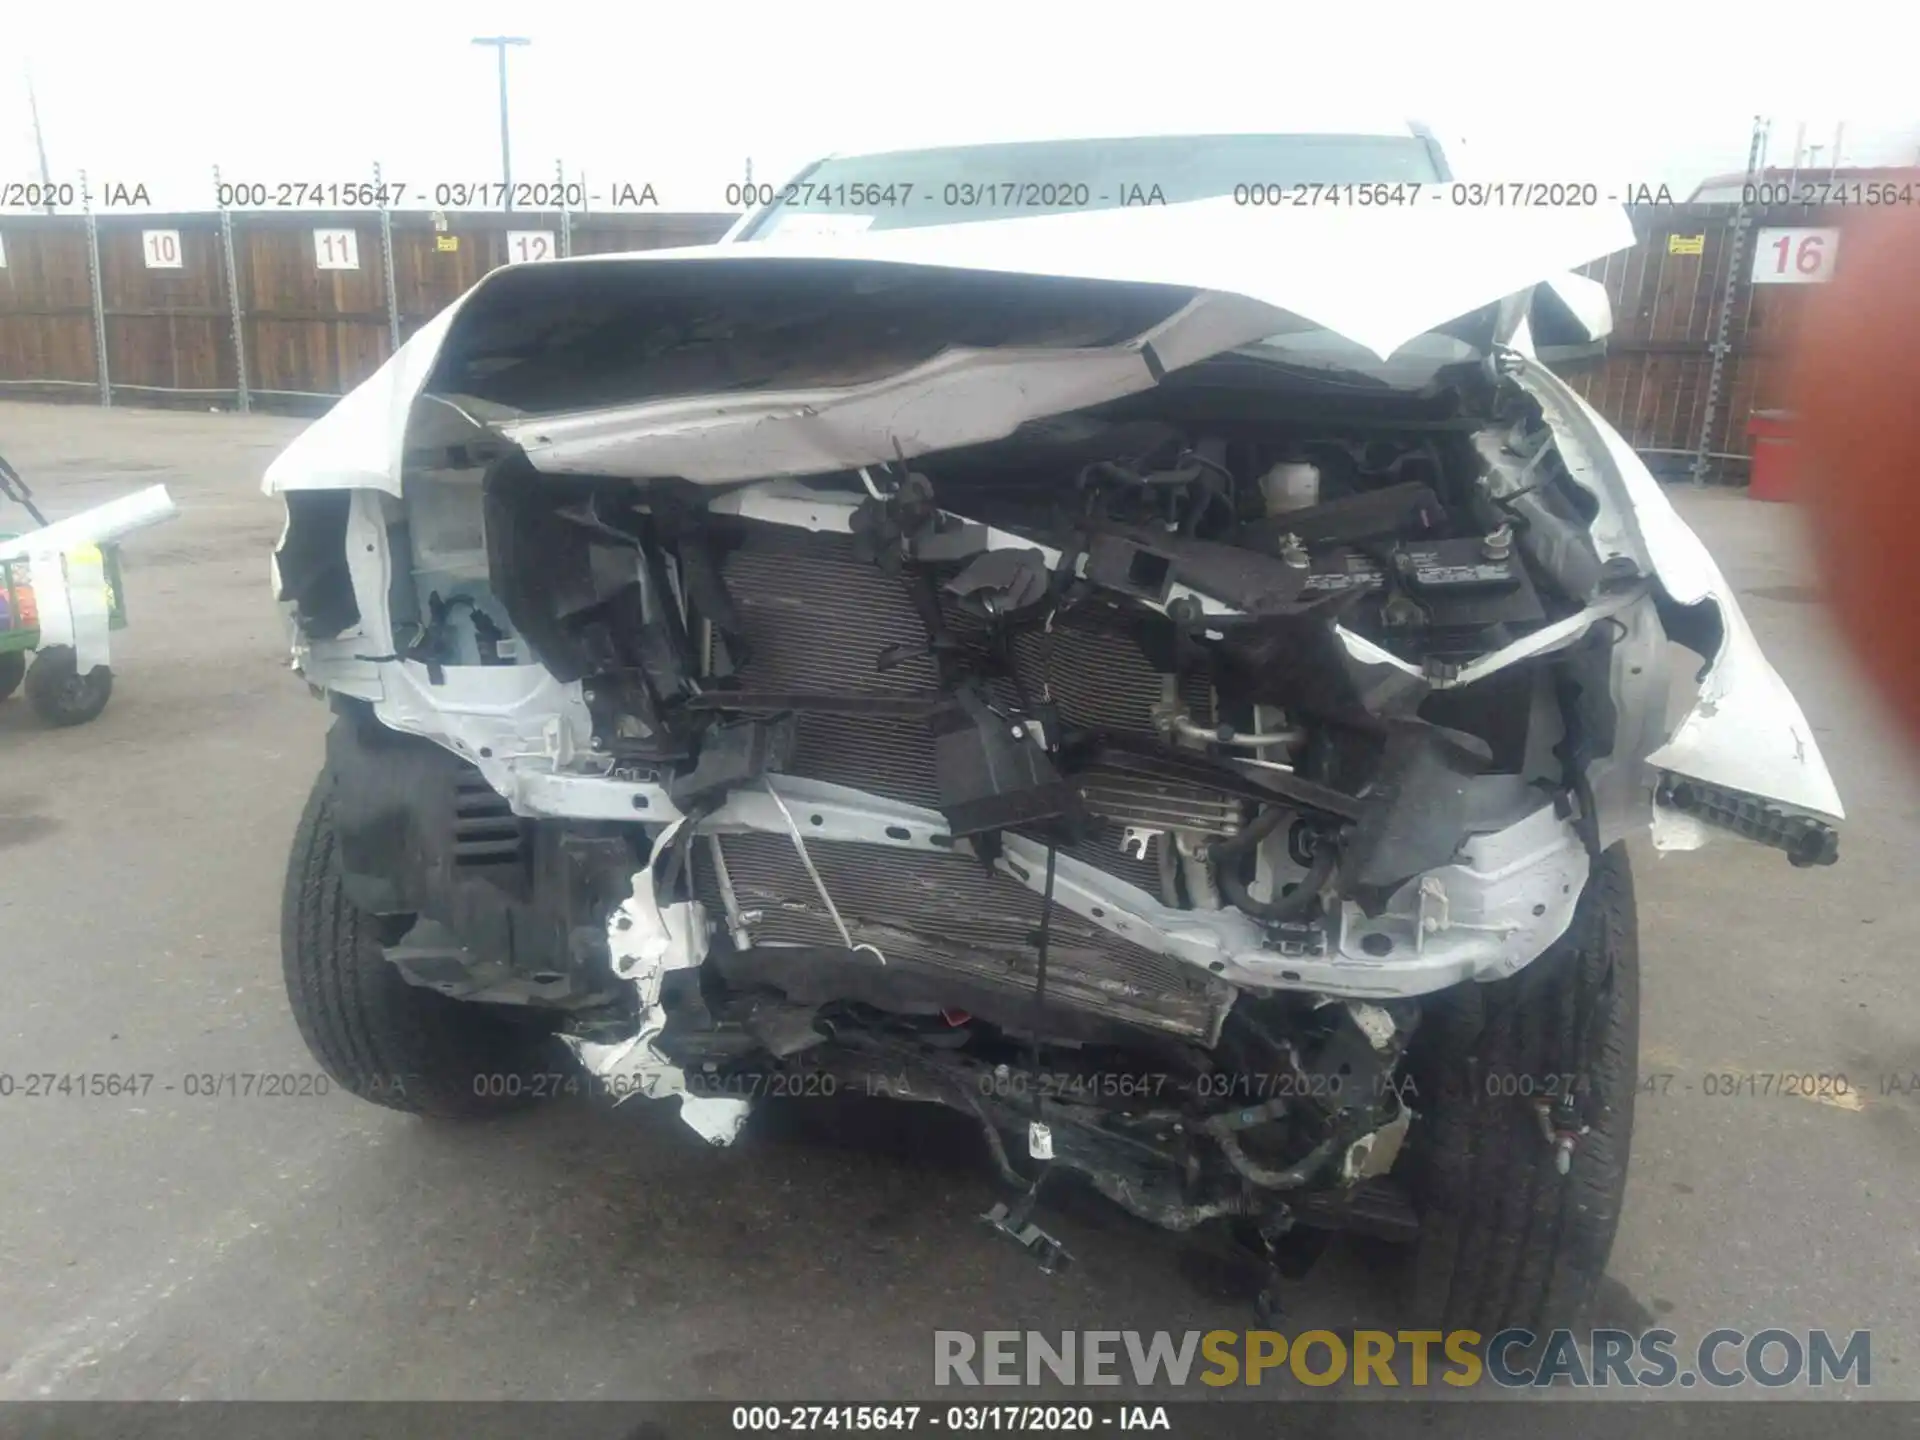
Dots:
pixel 524 245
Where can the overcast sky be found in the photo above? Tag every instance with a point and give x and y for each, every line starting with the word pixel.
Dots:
pixel 682 95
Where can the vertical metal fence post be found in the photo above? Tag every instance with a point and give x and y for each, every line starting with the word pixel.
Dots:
pixel 1723 326
pixel 386 258
pixel 243 396
pixel 566 213
pixel 99 304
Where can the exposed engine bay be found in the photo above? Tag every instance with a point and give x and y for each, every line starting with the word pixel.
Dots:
pixel 995 638
pixel 1123 781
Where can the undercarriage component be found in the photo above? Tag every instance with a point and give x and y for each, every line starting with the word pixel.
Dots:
pixel 1047 1251
pixel 1143 1162
pixel 1288 1107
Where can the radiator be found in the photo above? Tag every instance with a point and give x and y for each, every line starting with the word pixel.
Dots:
pixel 817 618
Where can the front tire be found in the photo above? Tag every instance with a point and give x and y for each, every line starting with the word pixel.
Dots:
pixel 1506 1240
pixel 375 1034
pixel 13 669
pixel 60 694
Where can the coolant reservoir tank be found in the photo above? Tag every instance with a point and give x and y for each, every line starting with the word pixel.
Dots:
pixel 1291 485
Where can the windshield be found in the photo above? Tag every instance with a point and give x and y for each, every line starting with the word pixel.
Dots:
pixel 954 185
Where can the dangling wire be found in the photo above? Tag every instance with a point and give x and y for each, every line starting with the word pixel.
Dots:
pixel 820 885
pixel 1039 1024
pixel 1040 968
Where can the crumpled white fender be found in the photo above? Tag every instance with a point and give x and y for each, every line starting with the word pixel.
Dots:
pixel 1745 730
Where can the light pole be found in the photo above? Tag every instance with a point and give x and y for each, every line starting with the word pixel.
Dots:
pixel 39 143
pixel 500 44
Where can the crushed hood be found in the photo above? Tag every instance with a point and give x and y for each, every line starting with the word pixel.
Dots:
pixel 1375 276
pixel 815 354
pixel 734 387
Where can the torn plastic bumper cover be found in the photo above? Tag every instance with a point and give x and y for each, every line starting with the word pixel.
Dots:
pixel 647 940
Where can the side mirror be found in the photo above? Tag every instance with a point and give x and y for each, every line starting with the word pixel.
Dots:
pixel 1569 321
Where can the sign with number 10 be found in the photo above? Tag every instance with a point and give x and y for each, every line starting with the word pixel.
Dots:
pixel 161 249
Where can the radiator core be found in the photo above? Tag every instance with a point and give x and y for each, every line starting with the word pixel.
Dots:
pixel 817 618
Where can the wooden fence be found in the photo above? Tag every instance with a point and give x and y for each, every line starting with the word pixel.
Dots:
pixel 309 333
pixel 1668 293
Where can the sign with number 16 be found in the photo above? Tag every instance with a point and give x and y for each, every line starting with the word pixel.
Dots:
pixel 1795 256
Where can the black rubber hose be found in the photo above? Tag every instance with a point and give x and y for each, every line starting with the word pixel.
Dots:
pixel 1289 906
pixel 1207 494
pixel 1291 1178
pixel 1263 825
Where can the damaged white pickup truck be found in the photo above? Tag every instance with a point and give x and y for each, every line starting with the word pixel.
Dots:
pixel 1170 681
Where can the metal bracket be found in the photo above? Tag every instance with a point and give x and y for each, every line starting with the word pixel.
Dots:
pixel 1051 1255
pixel 1432 915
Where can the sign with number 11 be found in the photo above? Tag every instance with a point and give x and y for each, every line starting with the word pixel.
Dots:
pixel 336 249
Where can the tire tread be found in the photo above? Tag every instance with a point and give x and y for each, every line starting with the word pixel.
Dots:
pixel 376 1035
pixel 1506 1240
